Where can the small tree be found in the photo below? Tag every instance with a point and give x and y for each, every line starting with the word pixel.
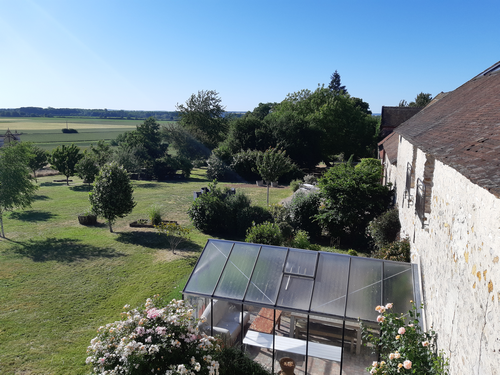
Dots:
pixel 111 196
pixel 64 159
pixel 87 168
pixel 38 159
pixel 16 188
pixel 176 234
pixel 272 164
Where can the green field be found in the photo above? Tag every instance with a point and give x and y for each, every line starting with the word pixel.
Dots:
pixel 47 132
pixel 59 280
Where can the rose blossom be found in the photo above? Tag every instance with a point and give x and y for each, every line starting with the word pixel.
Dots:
pixel 402 331
pixel 389 306
pixel 380 318
pixel 392 356
pixel 407 364
pixel 425 343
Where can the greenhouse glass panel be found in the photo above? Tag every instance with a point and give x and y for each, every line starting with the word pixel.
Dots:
pixel 365 288
pixel 207 271
pixel 295 292
pixel 236 275
pixel 267 275
pixel 331 284
pixel 301 262
pixel 398 285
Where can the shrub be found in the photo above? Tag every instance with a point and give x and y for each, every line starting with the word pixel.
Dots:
pixel 403 348
pixel 301 240
pixel 154 214
pixel 249 215
pixel 176 234
pixel 384 229
pixel 154 338
pixel 397 250
pixel 266 233
pixel 310 179
pixel 216 168
pixel 352 252
pixel 295 185
pixel 234 361
pixel 279 213
pixel 244 164
pixel 286 232
pixel 302 209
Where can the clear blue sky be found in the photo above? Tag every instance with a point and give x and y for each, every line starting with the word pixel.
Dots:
pixel 151 55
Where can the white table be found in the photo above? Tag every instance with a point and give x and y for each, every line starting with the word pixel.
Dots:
pixel 291 345
pixel 327 321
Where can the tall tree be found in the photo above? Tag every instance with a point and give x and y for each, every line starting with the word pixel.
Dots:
pixel 65 158
pixel 87 168
pixel 420 101
pixel 16 188
pixel 352 197
pixel 111 196
pixel 271 165
pixel 102 152
pixel 335 86
pixel 203 116
pixel 38 158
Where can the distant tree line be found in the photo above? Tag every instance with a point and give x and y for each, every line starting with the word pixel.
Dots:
pixel 95 113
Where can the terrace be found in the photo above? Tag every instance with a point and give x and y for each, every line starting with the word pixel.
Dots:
pixel 304 305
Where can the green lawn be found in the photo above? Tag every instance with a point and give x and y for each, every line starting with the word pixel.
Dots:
pixel 59 281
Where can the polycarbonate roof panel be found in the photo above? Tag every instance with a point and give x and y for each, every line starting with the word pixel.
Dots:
pixel 238 270
pixel 205 276
pixel 303 280
pixel 331 284
pixel 266 278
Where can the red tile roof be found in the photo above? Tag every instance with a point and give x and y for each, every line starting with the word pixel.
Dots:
pixel 462 129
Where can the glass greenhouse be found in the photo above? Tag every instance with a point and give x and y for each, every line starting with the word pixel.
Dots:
pixel 296 305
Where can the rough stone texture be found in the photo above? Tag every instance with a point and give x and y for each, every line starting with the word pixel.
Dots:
pixel 459 250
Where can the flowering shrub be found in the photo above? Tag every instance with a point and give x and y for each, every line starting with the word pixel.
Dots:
pixel 402 345
pixel 154 340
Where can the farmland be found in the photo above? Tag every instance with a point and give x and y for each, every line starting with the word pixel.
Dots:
pixel 47 132
pixel 59 280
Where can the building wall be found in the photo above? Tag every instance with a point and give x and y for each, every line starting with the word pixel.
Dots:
pixel 458 251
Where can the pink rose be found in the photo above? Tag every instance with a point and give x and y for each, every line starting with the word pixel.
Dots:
pixel 407 364
pixel 402 331
pixel 425 344
pixel 389 306
pixel 380 318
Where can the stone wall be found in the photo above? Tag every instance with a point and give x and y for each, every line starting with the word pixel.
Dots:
pixel 458 249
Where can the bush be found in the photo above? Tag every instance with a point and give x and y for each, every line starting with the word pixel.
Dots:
pixel 384 229
pixel 397 250
pixel 279 213
pixel 301 240
pixel 302 209
pixel 154 338
pixel 176 234
pixel 402 346
pixel 352 252
pixel 234 361
pixel 221 213
pixel 217 169
pixel 310 179
pixel 295 185
pixel 244 163
pixel 266 233
pixel 287 233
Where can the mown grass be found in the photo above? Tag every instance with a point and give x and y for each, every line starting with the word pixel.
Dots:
pixel 59 281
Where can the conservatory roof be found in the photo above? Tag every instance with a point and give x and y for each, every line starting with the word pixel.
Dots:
pixel 312 282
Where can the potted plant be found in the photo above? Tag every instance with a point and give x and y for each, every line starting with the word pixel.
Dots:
pixel 88 217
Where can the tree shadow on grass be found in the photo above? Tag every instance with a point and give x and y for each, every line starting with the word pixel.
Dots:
pixel 62 250
pixel 32 215
pixel 153 240
pixel 41 198
pixel 85 188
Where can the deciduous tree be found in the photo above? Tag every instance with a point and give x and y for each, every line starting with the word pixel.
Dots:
pixel 38 158
pixel 65 158
pixel 112 194
pixel 352 197
pixel 203 116
pixel 16 188
pixel 271 165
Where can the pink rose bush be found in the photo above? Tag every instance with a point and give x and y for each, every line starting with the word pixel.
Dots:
pixel 155 340
pixel 402 346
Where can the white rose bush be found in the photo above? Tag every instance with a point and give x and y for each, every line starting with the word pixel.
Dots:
pixel 402 346
pixel 154 339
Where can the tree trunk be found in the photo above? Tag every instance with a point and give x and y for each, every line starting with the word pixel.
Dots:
pixel 267 193
pixel 1 223
pixel 110 227
pixel 67 180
